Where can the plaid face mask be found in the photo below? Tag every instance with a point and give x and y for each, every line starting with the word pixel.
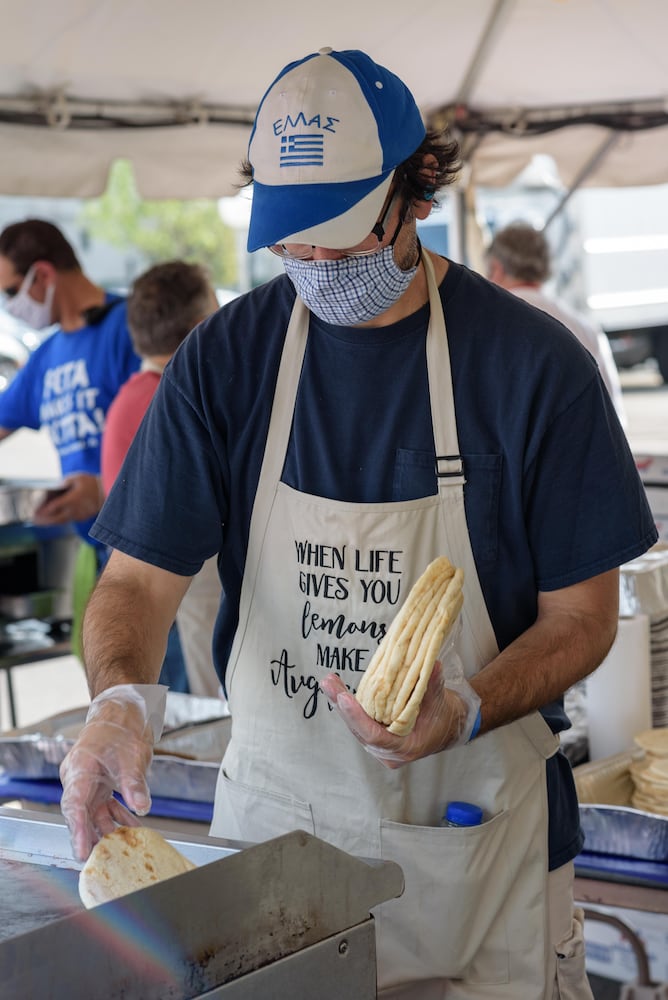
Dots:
pixel 350 290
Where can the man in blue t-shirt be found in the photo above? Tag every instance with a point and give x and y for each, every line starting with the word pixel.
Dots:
pixel 328 435
pixel 72 377
pixel 68 382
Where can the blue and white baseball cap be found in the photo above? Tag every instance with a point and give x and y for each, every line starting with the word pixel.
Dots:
pixel 328 135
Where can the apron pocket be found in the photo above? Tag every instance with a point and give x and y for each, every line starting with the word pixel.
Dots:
pixel 242 812
pixel 456 883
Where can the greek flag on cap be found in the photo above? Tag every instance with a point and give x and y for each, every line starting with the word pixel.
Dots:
pixel 328 135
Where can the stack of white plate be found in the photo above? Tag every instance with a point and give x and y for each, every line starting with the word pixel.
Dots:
pixel 658 638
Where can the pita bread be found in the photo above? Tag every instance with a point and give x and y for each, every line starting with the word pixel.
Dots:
pixel 653 741
pixel 130 858
pixel 388 660
pixel 394 684
pixel 650 774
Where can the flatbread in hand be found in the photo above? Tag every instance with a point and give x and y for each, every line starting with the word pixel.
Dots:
pixel 395 682
pixel 130 858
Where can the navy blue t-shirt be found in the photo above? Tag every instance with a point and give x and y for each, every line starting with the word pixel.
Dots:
pixel 552 494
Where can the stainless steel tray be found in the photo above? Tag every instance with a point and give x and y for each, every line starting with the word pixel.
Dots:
pixel 186 761
pixel 625 832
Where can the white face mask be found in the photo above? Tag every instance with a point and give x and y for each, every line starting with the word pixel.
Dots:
pixel 36 315
pixel 349 290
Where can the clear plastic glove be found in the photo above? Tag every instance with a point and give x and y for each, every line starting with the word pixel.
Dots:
pixel 112 753
pixel 446 719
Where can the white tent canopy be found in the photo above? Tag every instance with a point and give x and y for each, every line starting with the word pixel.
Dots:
pixel 174 85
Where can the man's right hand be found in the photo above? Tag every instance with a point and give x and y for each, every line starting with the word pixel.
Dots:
pixel 112 753
pixel 80 499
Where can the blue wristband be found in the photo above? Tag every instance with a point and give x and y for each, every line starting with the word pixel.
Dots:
pixel 476 727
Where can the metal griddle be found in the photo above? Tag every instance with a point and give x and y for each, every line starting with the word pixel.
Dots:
pixel 287 919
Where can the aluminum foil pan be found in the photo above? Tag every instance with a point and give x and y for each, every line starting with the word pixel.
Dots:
pixel 610 824
pixel 186 761
pixel 625 832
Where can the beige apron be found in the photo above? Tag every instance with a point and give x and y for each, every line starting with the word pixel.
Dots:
pixel 322 580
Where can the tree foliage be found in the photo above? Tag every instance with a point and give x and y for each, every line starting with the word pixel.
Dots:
pixel 162 229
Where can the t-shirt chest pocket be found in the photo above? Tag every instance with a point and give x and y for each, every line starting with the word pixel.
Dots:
pixel 415 477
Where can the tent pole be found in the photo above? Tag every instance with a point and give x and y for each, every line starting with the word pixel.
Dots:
pixel 586 171
pixel 488 37
pixel 457 228
pixel 457 240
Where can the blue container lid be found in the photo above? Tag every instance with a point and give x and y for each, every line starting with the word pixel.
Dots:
pixel 463 813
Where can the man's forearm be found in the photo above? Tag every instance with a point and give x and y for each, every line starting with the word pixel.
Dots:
pixel 568 641
pixel 127 622
pixel 120 648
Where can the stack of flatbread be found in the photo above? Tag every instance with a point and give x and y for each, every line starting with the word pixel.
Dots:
pixel 650 773
pixel 130 858
pixel 394 683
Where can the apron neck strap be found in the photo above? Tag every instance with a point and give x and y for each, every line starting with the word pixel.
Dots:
pixel 285 393
pixel 449 467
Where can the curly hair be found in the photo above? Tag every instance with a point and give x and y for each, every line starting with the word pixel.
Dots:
pixel 414 179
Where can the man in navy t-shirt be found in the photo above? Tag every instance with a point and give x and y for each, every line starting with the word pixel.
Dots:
pixel 328 435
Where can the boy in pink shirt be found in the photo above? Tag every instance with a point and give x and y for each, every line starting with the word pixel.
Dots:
pixel 164 305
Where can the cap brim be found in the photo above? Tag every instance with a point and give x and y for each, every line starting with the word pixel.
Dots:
pixel 345 214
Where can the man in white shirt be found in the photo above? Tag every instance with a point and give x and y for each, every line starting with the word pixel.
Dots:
pixel 518 259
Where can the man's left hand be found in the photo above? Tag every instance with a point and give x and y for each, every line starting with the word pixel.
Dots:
pixel 441 723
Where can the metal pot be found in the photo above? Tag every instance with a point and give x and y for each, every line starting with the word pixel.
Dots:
pixel 41 604
pixel 19 499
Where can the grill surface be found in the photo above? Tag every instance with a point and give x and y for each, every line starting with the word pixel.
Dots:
pixel 275 917
pixel 34 895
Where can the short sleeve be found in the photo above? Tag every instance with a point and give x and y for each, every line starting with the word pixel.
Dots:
pixel 586 507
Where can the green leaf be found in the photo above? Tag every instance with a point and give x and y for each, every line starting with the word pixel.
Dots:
pixel 162 229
